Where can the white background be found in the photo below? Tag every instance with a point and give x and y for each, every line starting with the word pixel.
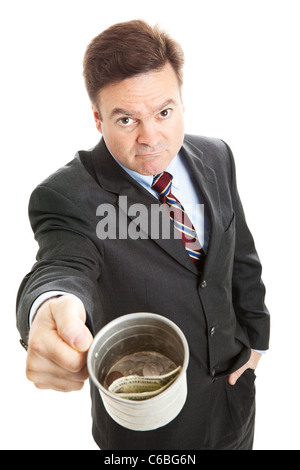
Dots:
pixel 241 84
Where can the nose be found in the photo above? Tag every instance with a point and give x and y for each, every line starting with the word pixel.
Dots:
pixel 148 134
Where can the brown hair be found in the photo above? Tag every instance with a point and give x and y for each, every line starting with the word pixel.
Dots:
pixel 128 49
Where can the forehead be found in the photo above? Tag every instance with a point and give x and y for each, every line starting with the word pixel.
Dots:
pixel 145 93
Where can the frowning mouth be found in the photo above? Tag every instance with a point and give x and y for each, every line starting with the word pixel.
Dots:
pixel 149 155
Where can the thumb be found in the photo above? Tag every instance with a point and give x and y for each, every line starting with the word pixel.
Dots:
pixel 70 316
pixel 234 377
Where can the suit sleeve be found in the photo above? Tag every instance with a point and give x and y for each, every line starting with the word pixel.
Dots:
pixel 67 258
pixel 248 290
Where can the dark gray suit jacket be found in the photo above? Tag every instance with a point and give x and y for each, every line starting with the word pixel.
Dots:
pixel 221 311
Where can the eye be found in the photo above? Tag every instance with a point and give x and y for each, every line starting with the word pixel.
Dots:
pixel 125 121
pixel 165 113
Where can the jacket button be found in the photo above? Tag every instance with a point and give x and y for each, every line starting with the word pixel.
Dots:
pixel 203 285
pixel 213 372
pixel 212 331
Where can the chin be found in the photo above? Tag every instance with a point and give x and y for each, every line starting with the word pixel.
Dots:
pixel 153 167
pixel 151 170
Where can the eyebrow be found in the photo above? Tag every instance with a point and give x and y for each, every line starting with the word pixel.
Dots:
pixel 124 112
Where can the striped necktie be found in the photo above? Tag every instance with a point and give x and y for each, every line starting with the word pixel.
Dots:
pixel 162 184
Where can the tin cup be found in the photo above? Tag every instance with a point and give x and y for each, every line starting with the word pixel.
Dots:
pixel 133 333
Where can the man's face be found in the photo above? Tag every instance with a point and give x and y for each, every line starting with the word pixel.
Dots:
pixel 141 119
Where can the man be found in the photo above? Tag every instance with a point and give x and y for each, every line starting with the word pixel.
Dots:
pixel 86 276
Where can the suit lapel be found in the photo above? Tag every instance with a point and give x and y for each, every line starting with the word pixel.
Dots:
pixel 206 179
pixel 114 179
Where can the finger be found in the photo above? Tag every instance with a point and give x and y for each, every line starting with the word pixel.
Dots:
pixel 58 384
pixel 62 361
pixel 36 365
pixel 63 383
pixel 47 375
pixel 70 315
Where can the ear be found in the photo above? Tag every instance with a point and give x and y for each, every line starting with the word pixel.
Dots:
pixel 97 118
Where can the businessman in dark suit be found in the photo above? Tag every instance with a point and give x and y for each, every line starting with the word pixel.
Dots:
pixel 98 259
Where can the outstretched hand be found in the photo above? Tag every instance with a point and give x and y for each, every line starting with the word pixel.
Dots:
pixel 58 344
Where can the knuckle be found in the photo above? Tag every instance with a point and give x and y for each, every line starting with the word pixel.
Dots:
pixel 84 374
pixel 36 349
pixel 30 370
pixel 78 386
pixel 76 362
pixel 29 375
pixel 35 346
pixel 32 376
pixel 40 386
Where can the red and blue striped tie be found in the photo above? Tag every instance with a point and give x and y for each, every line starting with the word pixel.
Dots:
pixel 162 184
